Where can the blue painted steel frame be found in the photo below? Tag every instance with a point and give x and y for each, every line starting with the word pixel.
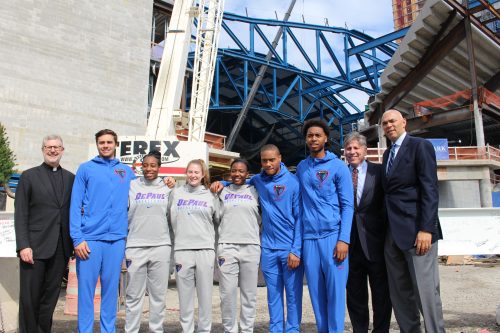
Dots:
pixel 291 93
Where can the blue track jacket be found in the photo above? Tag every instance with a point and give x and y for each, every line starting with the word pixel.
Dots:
pixel 99 201
pixel 279 197
pixel 327 197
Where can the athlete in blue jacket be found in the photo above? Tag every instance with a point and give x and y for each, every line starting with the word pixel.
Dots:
pixel 98 227
pixel 281 240
pixel 327 210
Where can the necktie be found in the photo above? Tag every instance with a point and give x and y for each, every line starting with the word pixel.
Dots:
pixel 355 186
pixel 391 158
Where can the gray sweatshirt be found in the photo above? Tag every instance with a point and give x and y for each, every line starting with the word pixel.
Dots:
pixel 193 211
pixel 240 218
pixel 147 214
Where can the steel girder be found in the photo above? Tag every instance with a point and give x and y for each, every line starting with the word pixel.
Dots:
pixel 312 73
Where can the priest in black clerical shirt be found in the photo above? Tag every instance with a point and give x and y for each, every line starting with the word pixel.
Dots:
pixel 43 243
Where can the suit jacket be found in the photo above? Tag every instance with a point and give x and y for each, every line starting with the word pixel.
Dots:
pixel 369 216
pixel 40 215
pixel 411 192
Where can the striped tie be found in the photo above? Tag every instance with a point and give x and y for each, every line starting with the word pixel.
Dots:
pixel 391 158
pixel 355 186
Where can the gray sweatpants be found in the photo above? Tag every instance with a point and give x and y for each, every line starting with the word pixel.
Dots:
pixel 147 267
pixel 238 262
pixel 195 269
pixel 414 285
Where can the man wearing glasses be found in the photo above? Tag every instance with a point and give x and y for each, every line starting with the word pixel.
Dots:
pixel 43 243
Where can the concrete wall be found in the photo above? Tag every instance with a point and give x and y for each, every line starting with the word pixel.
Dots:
pixel 459 194
pixel 9 293
pixel 72 68
pixel 465 183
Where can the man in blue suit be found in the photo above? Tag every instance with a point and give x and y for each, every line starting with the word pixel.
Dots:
pixel 411 199
pixel 366 249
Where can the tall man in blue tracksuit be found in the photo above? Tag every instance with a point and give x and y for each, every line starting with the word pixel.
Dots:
pixel 281 240
pixel 327 210
pixel 98 227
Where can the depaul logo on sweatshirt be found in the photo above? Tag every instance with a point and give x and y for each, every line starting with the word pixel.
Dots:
pixel 191 205
pixel 151 199
pixel 322 175
pixel 120 172
pixel 279 190
pixel 150 195
pixel 232 198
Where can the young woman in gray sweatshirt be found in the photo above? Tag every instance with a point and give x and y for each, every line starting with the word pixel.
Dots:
pixel 238 252
pixel 148 246
pixel 193 214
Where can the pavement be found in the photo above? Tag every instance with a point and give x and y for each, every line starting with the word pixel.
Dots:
pixel 470 296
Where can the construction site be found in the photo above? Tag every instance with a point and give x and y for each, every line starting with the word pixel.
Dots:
pixel 194 80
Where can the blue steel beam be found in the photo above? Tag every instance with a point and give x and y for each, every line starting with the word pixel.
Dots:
pixel 319 30
pixel 301 94
pixel 245 19
pixel 303 52
pixel 276 65
pixel 363 67
pixel 383 40
pixel 267 42
pixel 313 88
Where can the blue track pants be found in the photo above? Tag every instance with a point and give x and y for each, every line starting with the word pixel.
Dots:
pixel 326 279
pixel 105 260
pixel 278 276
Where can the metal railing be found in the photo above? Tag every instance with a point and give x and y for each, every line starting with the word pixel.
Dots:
pixel 455 153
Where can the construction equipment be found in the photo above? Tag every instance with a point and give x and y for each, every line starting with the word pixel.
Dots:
pixel 207 37
pixel 161 131
pixel 168 91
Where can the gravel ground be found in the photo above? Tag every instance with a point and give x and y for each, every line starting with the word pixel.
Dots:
pixel 470 297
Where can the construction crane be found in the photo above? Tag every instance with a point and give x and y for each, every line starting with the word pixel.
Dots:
pixel 166 99
pixel 207 38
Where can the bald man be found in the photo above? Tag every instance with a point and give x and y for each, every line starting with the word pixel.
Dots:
pixel 410 184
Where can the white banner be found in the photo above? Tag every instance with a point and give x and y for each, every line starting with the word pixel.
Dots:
pixel 175 155
pixel 7 236
pixel 468 231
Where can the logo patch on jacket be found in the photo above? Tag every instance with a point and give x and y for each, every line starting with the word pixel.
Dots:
pixel 322 175
pixel 120 172
pixel 221 261
pixel 178 267
pixel 279 190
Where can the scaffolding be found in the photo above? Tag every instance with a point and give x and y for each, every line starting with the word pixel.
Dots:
pixel 405 12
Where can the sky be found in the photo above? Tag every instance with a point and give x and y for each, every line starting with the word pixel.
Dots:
pixel 373 17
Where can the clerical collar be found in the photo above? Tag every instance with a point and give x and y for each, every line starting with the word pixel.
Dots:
pixel 51 168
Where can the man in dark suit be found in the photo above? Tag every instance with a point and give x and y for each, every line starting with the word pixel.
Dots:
pixel 366 250
pixel 42 236
pixel 411 200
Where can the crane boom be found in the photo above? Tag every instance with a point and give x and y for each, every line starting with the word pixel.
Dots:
pixel 207 37
pixel 170 80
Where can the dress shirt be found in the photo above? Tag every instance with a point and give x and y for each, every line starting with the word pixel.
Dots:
pixel 362 169
pixel 398 143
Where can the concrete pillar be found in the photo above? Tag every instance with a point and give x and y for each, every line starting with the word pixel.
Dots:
pixel 382 141
pixel 485 193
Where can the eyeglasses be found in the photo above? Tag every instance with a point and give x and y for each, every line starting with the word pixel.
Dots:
pixel 53 147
